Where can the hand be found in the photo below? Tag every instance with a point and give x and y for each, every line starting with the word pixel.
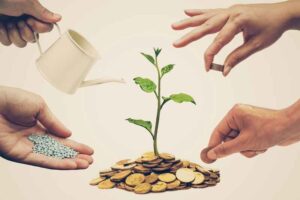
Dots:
pixel 261 25
pixel 251 131
pixel 22 114
pixel 20 18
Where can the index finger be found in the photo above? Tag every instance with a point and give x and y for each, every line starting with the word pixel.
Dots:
pixel 39 26
pixel 226 35
pixel 51 123
pixel 212 25
pixel 227 127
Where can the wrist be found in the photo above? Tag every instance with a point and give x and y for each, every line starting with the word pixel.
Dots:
pixel 292 116
pixel 291 9
pixel 2 99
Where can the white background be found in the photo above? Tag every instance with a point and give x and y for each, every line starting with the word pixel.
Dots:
pixel 96 115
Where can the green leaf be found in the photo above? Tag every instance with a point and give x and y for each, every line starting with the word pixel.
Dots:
pixel 149 57
pixel 157 51
pixel 145 124
pixel 145 84
pixel 181 97
pixel 167 69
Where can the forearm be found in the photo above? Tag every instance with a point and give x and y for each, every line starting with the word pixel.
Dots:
pixel 292 9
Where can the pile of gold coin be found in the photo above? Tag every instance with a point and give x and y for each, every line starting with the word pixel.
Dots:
pixel 151 173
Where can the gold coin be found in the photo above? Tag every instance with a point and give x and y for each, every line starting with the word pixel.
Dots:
pixel 120 176
pixel 135 179
pixel 173 161
pixel 160 169
pixel 139 161
pixel 148 154
pixel 204 156
pixel 152 178
pixel 141 169
pixel 157 161
pixel 173 185
pixel 108 174
pixel 193 165
pixel 167 177
pixel 117 167
pixel 176 166
pixel 123 167
pixel 210 183
pixel 142 188
pixel 185 163
pixel 199 186
pixel 182 187
pixel 122 162
pixel 149 158
pixel 165 165
pixel 202 170
pixel 166 156
pixel 106 171
pixel 130 162
pixel 150 165
pixel 216 171
pixel 96 181
pixel 185 175
pixel 107 184
pixel 128 188
pixel 199 178
pixel 213 175
pixel 159 187
pixel 207 178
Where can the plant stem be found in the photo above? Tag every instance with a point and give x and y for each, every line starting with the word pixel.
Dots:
pixel 158 109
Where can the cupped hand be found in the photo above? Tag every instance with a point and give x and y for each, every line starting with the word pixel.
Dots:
pixel 19 19
pixel 22 114
pixel 260 24
pixel 251 131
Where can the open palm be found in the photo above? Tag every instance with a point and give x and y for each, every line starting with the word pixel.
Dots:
pixel 26 114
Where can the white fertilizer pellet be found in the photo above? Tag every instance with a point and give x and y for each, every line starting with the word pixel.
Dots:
pixel 46 145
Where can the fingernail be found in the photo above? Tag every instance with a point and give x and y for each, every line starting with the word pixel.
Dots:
pixel 57 16
pixel 207 68
pixel 176 43
pixel 30 22
pixel 21 24
pixel 212 155
pixel 227 70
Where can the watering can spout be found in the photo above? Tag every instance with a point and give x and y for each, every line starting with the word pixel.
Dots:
pixel 101 81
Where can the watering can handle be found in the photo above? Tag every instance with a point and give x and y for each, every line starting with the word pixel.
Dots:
pixel 36 38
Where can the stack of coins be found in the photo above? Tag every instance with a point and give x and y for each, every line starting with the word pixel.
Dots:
pixel 151 173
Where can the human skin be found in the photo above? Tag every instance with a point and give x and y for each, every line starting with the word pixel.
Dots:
pixel 19 19
pixel 246 19
pixel 252 130
pixel 23 113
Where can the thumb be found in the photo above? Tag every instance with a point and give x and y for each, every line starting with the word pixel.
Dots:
pixel 226 148
pixel 38 11
pixel 241 53
pixel 51 123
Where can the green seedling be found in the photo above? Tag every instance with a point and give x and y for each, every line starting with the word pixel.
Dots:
pixel 149 86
